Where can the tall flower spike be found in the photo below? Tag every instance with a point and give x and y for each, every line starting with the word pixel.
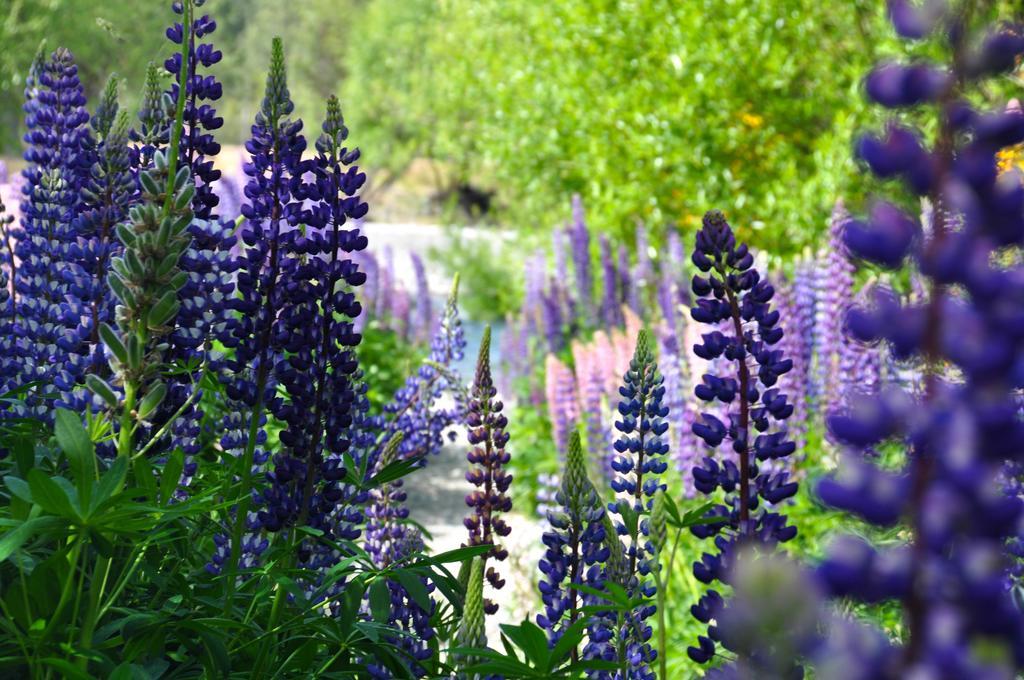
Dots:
pixel 487 460
pixel 611 302
pixel 575 547
pixel 253 333
pixel 154 132
pixel 314 339
pixel 198 145
pixel 639 467
pixel 734 300
pixel 414 410
pixel 579 240
pixel 960 430
pixel 390 539
pixel 834 296
pixel 107 197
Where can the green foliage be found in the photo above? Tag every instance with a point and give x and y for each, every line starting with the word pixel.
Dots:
pixel 493 280
pixel 745 104
pixel 386 360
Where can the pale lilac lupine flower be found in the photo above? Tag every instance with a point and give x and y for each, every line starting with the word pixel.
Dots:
pixel 533 293
pixel 579 238
pixel 424 314
pixel 626 283
pixel 563 406
pixel 834 297
pixel 794 345
pixel 611 305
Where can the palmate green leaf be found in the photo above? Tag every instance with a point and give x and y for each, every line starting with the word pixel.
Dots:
pixel 171 475
pixel 528 637
pixel 393 471
pixel 19 488
pixel 414 587
pixel 456 555
pixel 74 441
pixel 13 539
pixel 697 516
pixel 380 601
pixel 570 640
pixel 110 482
pixel 50 496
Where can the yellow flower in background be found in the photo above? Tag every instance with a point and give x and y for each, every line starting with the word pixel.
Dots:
pixel 752 120
pixel 1012 157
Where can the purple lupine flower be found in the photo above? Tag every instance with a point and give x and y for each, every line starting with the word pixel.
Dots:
pixel 834 296
pixel 794 345
pixel 424 314
pixel 575 548
pixel 315 329
pixel 964 425
pixel 154 131
pixel 391 539
pixel 51 293
pixel 487 459
pixel 611 303
pixel 804 322
pixel 533 292
pixel 599 439
pixel 563 405
pixel 732 291
pixel 552 320
pixel 627 285
pixel 579 239
pixel 198 146
pixel 672 363
pixel 255 331
pixel 643 272
pixel 639 468
pixel 413 411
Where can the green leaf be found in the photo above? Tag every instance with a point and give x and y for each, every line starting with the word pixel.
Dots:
pixel 393 471
pixel 152 400
pixel 171 475
pixel 75 443
pixel 458 554
pixel 528 637
pixel 380 601
pixel 18 536
pixel 111 481
pixel 19 488
pixel 102 389
pixel 49 495
pixel 113 342
pixel 163 310
pixel 570 640
pixel 414 586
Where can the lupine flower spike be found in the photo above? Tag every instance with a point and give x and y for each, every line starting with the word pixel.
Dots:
pixel 732 296
pixel 488 459
pixel 964 425
pixel 639 467
pixel 575 547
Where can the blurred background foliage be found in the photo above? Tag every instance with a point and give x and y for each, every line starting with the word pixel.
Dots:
pixel 652 110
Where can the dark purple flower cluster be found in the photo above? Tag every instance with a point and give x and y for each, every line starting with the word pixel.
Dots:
pixel 638 467
pixel 53 283
pixel 390 538
pixel 198 145
pixel 964 424
pixel 575 551
pixel 487 459
pixel 294 331
pixel 733 299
